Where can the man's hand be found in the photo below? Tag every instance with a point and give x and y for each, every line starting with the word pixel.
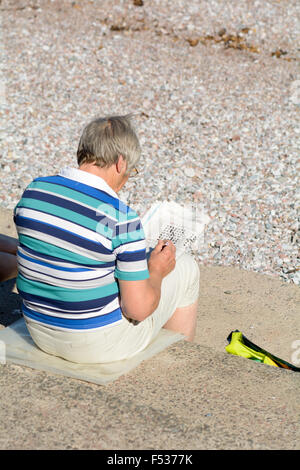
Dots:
pixel 162 259
pixel 139 299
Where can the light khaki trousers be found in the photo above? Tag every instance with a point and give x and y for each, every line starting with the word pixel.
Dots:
pixel 179 289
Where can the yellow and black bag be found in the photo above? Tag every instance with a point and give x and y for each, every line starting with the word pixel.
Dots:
pixel 239 345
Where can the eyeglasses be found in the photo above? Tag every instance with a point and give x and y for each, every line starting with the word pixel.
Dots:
pixel 134 172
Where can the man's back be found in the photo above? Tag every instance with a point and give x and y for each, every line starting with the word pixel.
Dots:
pixel 75 237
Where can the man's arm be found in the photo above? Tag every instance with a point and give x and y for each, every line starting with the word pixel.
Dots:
pixel 139 299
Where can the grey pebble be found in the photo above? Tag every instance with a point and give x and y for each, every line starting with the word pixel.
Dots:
pixel 218 127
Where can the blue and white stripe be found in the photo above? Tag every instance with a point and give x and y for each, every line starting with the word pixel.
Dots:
pixel 75 238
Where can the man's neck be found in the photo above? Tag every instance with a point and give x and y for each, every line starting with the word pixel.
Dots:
pixel 107 174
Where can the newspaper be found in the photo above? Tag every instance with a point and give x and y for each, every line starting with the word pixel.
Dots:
pixel 183 225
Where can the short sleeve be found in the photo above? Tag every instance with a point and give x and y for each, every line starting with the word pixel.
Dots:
pixel 129 247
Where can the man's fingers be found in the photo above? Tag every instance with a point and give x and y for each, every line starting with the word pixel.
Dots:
pixel 165 246
pixel 159 246
pixel 163 257
pixel 170 246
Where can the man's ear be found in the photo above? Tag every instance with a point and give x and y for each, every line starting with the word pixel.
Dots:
pixel 121 164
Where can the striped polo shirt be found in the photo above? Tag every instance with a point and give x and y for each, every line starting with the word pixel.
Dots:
pixel 76 237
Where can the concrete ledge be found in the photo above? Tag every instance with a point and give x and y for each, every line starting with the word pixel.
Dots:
pixel 190 396
pixel 187 397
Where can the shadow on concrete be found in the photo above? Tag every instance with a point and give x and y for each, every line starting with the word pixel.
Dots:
pixel 10 303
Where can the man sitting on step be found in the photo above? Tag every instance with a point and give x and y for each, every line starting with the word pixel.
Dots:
pixel 89 293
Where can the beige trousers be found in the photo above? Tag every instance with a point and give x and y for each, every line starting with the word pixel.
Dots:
pixel 179 289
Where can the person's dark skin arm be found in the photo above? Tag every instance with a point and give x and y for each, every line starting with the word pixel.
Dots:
pixel 8 259
pixel 8 244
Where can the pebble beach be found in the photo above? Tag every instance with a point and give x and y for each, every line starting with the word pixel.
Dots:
pixel 214 89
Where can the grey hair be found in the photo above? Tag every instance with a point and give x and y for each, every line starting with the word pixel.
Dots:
pixel 104 139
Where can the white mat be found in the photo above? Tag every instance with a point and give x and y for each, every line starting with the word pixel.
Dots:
pixel 17 347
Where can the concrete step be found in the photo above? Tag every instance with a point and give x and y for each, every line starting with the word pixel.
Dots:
pixel 187 397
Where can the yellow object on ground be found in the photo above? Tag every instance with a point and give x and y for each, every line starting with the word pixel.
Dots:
pixel 239 345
